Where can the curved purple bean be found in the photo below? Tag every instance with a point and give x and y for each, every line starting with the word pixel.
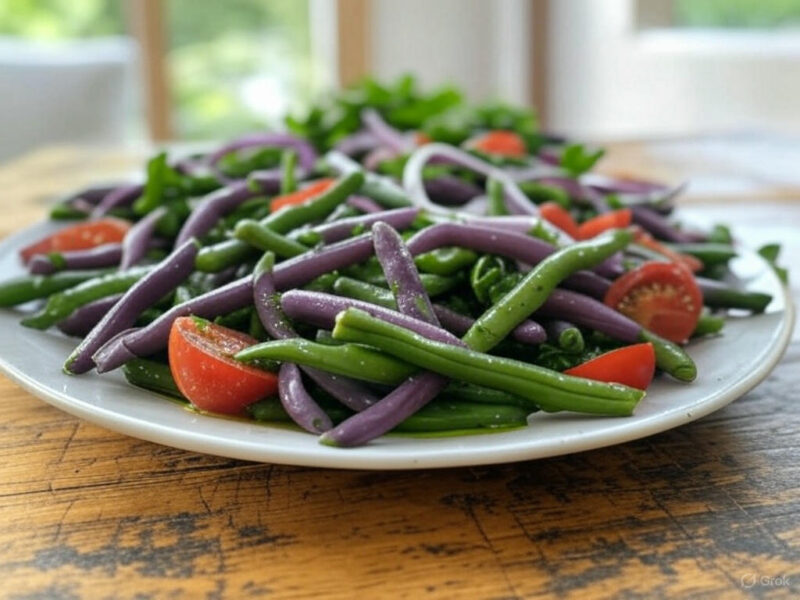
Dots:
pixel 306 155
pixel 81 322
pixel 350 393
pixel 120 196
pixel 320 309
pixel 211 208
pixel 105 255
pixel 237 294
pixel 588 312
pixel 383 132
pixel 364 204
pixel 298 403
pixel 357 143
pixel 401 273
pixel 137 240
pixel 513 245
pixel 144 293
pixel 399 218
pixel 655 223
pixel 153 338
pixel 449 190
pixel 416 391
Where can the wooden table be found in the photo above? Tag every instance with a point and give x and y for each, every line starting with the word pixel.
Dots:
pixel 709 510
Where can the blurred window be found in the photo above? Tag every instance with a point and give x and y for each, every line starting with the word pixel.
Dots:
pixel 232 66
pixel 728 14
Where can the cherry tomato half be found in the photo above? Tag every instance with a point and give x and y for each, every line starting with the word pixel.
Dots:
pixel 633 366
pixel 662 297
pixel 500 142
pixel 79 237
pixel 554 213
pixel 300 196
pixel 611 220
pixel 200 358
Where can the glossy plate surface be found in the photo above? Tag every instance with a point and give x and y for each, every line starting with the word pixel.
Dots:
pixel 728 367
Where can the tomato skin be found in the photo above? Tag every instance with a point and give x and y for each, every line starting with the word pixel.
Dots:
pixel 615 219
pixel 557 215
pixel 500 142
pixel 200 359
pixel 633 366
pixel 79 237
pixel 648 241
pixel 300 196
pixel 662 297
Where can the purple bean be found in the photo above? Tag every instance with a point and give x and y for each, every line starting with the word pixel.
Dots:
pixel 93 194
pixel 153 338
pixel 449 190
pixel 137 239
pixel 120 196
pixel 416 391
pixel 513 245
pixel 357 143
pixel 588 312
pixel 348 392
pixel 290 273
pixel 298 403
pixel 383 132
pixel 144 293
pixel 399 218
pixel 105 255
pixel 401 273
pixel 320 309
pixel 211 208
pixel 306 155
pixel 402 402
pixel 374 158
pixel 364 204
pixel 81 322
pixel 655 224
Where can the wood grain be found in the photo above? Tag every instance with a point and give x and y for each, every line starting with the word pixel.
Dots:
pixel 88 513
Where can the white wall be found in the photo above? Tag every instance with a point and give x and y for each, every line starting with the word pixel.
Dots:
pixel 609 80
pixel 479 45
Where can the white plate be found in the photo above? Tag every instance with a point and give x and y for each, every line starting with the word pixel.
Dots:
pixel 728 367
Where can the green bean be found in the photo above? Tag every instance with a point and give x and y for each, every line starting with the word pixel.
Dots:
pixel 495 191
pixel 455 415
pixel 708 254
pixel 323 283
pixel 550 390
pixel 721 296
pixel 213 259
pixel 439 415
pixel 152 375
pixel 288 166
pixel 351 360
pixel 445 261
pixel 529 294
pixel 670 357
pixel 436 285
pixel 230 252
pixel 545 193
pixel 708 324
pixel 30 287
pixel 458 390
pixel 59 306
pixel 64 211
pixel 264 239
pixel 361 290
